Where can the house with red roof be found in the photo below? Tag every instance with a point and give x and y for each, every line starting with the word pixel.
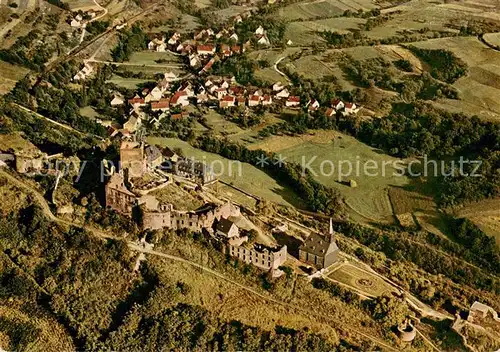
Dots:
pixel 241 100
pixel 292 101
pixel 267 100
pixel 312 105
pixel 254 100
pixel 136 101
pixel 161 105
pixel 179 98
pixel 337 104
pixel 330 112
pixel 350 109
pixel 227 102
pixel 206 49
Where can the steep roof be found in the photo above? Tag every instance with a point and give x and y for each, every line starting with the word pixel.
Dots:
pixel 319 245
pixel 224 225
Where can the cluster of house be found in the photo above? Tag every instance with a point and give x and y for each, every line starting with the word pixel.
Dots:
pixel 214 91
pixel 79 22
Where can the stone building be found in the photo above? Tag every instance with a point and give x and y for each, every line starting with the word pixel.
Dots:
pixel 166 217
pixel 320 251
pixel 261 256
pixel 132 158
pixel 194 170
pixel 118 197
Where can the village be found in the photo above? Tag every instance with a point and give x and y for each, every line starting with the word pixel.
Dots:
pixel 172 95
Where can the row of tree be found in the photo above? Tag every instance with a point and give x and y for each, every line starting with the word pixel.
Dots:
pixel 317 196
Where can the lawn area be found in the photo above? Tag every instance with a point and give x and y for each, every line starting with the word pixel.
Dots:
pixel 312 9
pixel 242 175
pixel 148 57
pixel 89 112
pixel 129 83
pixel 220 125
pixel 9 75
pixel 353 276
pixel 369 200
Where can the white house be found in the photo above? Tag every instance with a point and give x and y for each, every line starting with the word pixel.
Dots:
pixel 117 100
pixel 220 93
pixel 202 98
pixel 234 37
pixel 205 50
pixel 259 31
pixel 267 100
pixel 284 94
pixel 170 76
pixel 254 100
pixel 187 88
pixel 278 86
pixel 180 98
pixel 174 38
pixel 194 60
pixel 161 48
pixel 313 105
pixel 154 95
pixel 227 102
pixel 263 41
pixel 350 108
pixel 84 72
pixel 337 104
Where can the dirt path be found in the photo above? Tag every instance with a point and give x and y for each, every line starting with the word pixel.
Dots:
pixel 277 70
pixel 134 64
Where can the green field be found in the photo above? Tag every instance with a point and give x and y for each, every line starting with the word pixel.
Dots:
pixel 9 75
pixel 149 57
pixel 361 280
pixel 129 83
pixel 304 33
pixel 480 89
pixel 312 9
pixel 369 200
pixel 247 177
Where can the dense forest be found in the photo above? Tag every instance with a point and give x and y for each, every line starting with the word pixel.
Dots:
pixel 133 39
pixel 113 307
pixel 445 66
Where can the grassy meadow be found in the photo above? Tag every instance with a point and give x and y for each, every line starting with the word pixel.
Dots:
pixel 369 200
pixel 247 177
